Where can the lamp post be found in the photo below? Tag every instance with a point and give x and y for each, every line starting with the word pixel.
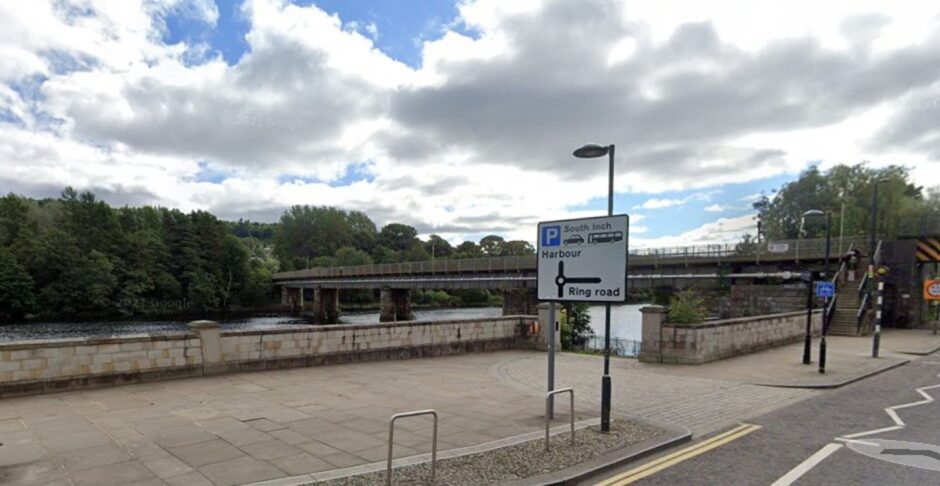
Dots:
pixel 808 277
pixel 825 315
pixel 591 151
pixel 873 225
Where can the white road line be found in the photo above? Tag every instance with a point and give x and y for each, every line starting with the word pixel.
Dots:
pixel 891 411
pixel 804 467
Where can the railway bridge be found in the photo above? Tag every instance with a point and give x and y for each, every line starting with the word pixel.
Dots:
pixel 316 290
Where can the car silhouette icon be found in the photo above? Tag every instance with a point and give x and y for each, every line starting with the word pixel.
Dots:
pixel 574 240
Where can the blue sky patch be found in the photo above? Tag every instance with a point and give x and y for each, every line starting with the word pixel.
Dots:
pixel 689 209
pixel 226 38
pixel 208 173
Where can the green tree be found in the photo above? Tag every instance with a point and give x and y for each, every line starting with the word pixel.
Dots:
pixel 517 248
pixel 16 288
pixel 348 256
pixel 468 249
pixel 492 245
pixel 438 247
pixel 398 237
pixel 576 330
pixel 903 207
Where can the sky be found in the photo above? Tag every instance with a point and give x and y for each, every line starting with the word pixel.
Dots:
pixel 460 118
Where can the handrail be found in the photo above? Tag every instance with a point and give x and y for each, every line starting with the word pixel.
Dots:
pixel 548 405
pixel 391 434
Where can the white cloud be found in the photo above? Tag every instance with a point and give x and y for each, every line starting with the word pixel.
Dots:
pixel 716 208
pixel 479 138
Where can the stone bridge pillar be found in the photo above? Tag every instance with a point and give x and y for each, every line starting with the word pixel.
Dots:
pixel 395 305
pixel 294 298
pixel 520 302
pixel 326 305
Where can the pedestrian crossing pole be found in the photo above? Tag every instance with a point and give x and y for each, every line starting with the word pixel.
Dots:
pixel 879 310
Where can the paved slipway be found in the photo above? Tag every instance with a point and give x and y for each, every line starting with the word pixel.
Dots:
pixel 702 405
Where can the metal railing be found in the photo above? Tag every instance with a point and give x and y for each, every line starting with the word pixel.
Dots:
pixel 866 288
pixel 720 253
pixel 548 407
pixel 837 280
pixel 391 435
pixel 618 346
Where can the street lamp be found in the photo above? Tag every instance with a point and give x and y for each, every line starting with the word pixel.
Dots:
pixel 874 217
pixel 591 151
pixel 825 315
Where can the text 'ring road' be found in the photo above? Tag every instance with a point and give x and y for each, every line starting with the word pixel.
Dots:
pixel 561 280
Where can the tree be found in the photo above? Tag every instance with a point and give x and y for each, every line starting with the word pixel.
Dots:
pixel 468 249
pixel 438 247
pixel 348 256
pixel 492 245
pixel 16 287
pixel 517 248
pixel 14 216
pixel 577 329
pixel 398 237
pixel 903 207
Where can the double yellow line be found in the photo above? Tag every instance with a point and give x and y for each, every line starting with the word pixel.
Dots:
pixel 664 462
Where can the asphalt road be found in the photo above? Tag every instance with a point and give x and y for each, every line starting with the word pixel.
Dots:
pixel 790 435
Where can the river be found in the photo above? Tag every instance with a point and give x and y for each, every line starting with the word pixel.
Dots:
pixel 625 323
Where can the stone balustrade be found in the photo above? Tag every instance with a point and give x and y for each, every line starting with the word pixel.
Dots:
pixel 31 367
pixel 665 342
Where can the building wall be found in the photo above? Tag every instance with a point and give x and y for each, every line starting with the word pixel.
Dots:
pixel 54 365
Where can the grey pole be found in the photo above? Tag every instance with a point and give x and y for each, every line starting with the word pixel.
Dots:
pixel 605 380
pixel 825 316
pixel 874 219
pixel 550 333
pixel 808 338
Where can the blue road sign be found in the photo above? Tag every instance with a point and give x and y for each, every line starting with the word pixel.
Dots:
pixel 551 235
pixel 825 289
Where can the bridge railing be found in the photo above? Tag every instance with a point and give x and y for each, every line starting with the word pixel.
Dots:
pixel 783 250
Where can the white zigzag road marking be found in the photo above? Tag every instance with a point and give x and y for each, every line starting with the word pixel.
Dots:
pixel 820 455
pixel 891 411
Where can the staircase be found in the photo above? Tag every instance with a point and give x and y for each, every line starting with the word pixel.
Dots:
pixel 844 320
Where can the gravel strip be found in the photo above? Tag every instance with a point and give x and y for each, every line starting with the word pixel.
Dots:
pixel 514 462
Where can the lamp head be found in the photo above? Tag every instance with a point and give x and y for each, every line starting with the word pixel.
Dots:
pixel 591 150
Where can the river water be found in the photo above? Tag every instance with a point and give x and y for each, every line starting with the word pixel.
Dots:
pixel 625 324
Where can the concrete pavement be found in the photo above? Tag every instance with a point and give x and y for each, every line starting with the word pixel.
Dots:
pixel 249 427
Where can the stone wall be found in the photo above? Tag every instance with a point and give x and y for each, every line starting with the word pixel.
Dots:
pixel 51 365
pixel 714 340
pixel 32 367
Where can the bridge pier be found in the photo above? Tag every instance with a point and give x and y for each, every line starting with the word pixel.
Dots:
pixel 294 298
pixel 326 305
pixel 395 305
pixel 520 302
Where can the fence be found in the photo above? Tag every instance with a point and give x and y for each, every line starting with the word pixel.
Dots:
pixel 618 346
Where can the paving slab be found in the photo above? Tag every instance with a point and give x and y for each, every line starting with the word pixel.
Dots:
pixel 248 427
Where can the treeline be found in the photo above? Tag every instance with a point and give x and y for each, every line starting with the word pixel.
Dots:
pixel 78 257
pixel 904 208
pixel 308 236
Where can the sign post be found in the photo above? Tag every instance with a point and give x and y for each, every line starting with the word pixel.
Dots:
pixel 585 260
pixel 932 294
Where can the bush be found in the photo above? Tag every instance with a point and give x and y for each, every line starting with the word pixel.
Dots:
pixel 686 308
pixel 575 326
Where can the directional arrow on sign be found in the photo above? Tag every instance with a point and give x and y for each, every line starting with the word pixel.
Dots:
pixel 561 280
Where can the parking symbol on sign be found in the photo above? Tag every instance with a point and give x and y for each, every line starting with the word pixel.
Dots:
pixel 551 236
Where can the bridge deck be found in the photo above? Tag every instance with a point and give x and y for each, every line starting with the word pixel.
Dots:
pixel 511 268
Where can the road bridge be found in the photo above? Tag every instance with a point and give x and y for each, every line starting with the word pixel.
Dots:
pixel 515 275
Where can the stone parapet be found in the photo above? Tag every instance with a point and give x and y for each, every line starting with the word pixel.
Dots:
pixel 32 367
pixel 665 342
